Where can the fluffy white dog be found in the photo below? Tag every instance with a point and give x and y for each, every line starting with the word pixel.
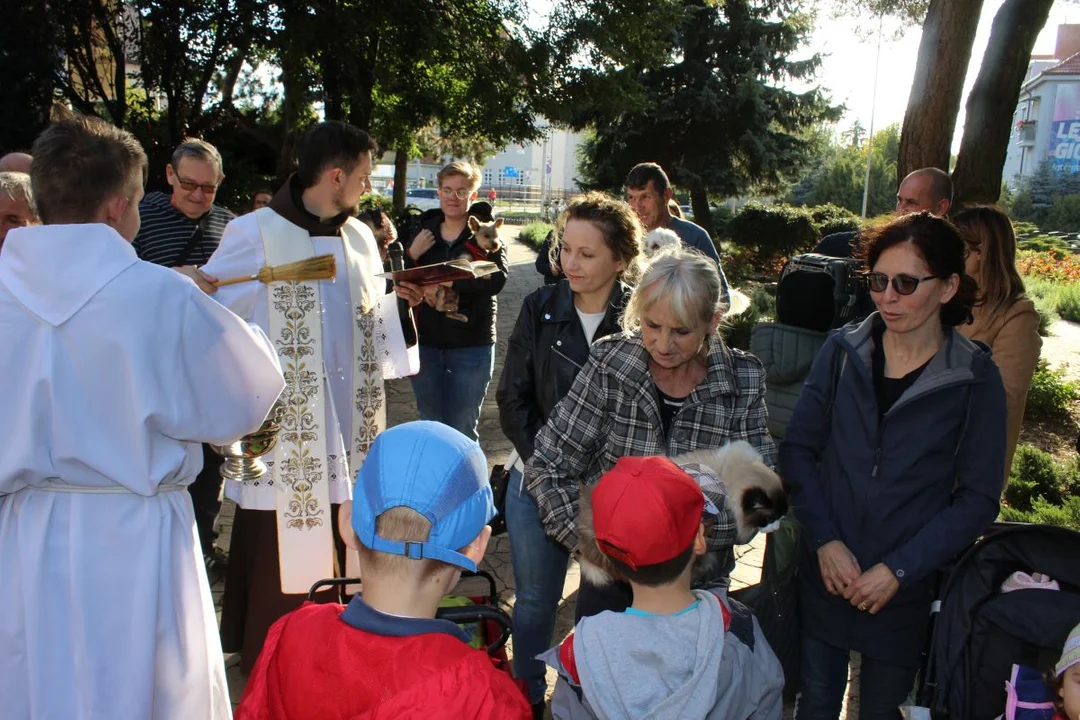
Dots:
pixel 658 239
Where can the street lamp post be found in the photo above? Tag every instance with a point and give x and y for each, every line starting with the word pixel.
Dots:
pixel 873 110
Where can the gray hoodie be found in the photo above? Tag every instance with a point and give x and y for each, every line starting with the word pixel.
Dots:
pixel 627 667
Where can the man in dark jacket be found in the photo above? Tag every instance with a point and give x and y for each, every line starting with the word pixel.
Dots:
pixel 927 189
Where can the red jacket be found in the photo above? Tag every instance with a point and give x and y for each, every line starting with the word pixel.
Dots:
pixel 319 663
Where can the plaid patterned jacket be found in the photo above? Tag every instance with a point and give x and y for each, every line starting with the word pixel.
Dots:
pixel 612 411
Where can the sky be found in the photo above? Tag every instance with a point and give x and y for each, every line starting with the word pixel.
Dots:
pixel 847 70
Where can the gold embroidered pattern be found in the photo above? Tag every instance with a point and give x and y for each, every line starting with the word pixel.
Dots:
pixel 299 471
pixel 369 394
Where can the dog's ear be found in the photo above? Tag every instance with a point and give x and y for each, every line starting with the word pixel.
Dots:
pixel 498 223
pixel 474 224
pixel 595 565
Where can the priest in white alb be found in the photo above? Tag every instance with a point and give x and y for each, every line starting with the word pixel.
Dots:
pixel 337 340
pixel 113 371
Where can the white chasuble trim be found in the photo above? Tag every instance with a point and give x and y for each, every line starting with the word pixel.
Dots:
pixel 305 537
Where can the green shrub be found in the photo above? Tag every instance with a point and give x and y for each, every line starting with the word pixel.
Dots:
pixel 763 302
pixel 1068 303
pixel 1045 243
pixel 1064 214
pixel 1034 474
pixel 831 219
pixel 534 234
pixel 1044 294
pixel 736 330
pixel 772 231
pixel 1050 394
pixel 1044 513
pixel 1025 229
pixel 1047 317
pixel 1041 490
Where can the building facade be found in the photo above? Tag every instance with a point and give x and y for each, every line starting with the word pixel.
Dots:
pixel 1046 123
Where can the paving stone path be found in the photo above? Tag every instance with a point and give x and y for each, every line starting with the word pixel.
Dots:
pixel 401 407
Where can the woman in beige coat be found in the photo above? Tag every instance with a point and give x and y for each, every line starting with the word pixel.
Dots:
pixel 1005 319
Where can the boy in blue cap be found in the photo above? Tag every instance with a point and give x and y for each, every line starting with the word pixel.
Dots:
pixel 420 514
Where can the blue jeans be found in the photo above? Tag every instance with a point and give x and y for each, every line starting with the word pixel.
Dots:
pixel 451 385
pixel 882 687
pixel 539 573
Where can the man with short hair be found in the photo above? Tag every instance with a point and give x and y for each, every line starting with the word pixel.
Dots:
pixel 181 231
pixel 16 203
pixel 112 371
pixel 926 189
pixel 649 192
pixel 338 341
pixel 16 162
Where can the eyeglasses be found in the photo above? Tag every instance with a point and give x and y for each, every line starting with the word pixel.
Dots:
pixel 462 194
pixel 190 186
pixel 902 284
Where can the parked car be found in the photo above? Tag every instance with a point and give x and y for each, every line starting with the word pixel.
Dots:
pixel 423 198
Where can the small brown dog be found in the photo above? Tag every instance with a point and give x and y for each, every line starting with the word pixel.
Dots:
pixel 485 240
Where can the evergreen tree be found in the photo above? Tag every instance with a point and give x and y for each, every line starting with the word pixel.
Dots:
pixel 693 85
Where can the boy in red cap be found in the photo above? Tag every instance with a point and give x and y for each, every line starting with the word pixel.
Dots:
pixel 675 652
pixel 420 514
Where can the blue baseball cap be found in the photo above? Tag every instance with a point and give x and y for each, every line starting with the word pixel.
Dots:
pixel 434 470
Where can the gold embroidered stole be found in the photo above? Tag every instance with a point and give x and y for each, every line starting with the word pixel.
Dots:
pixel 305 540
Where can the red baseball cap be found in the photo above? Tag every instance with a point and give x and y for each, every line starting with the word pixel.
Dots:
pixel 646 510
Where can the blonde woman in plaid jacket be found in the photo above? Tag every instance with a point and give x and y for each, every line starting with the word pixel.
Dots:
pixel 666 386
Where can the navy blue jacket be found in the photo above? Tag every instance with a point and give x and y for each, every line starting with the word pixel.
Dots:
pixel 911 490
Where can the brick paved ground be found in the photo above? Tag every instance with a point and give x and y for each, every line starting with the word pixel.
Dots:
pixel 401 407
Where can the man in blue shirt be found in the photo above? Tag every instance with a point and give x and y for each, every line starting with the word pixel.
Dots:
pixel 648 190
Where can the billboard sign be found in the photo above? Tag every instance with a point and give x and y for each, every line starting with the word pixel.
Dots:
pixel 1064 147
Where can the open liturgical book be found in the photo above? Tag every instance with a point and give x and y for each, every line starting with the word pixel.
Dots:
pixel 449 271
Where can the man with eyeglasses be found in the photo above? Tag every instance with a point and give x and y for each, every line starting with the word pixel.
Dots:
pixel 181 231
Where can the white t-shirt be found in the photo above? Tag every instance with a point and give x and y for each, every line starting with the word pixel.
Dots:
pixel 590 322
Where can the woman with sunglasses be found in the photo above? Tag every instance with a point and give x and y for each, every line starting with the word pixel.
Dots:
pixel 456 358
pixel 894 456
pixel 1005 319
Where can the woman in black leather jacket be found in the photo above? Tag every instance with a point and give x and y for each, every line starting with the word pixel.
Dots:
pixel 600 240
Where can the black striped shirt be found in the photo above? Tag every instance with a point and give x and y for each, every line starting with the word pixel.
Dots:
pixel 165 232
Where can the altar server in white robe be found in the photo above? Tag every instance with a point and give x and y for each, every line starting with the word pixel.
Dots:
pixel 113 371
pixel 337 341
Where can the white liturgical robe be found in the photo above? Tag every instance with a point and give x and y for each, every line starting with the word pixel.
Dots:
pixel 112 372
pixel 337 342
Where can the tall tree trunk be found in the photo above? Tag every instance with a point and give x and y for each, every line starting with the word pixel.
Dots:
pixel 231 75
pixel 401 179
pixel 699 202
pixel 944 52
pixel 333 92
pixel 988 126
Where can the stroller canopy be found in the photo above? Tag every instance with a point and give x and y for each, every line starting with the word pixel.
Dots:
pixel 981 632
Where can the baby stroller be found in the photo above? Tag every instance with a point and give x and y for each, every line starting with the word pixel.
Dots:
pixel 980 632
pixel 492 624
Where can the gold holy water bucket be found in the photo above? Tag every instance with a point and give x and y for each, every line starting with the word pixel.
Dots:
pixel 243 458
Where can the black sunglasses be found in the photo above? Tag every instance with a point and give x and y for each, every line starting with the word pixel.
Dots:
pixel 902 284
